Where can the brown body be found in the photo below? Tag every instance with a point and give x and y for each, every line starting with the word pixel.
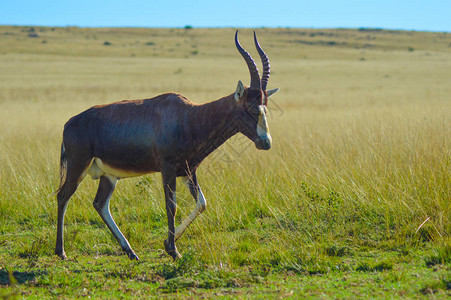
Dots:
pixel 167 134
pixel 168 127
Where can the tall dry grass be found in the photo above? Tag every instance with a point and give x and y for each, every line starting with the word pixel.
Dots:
pixel 361 153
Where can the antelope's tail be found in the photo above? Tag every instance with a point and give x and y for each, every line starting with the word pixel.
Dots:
pixel 63 169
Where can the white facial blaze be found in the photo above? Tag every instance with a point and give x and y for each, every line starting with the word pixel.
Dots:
pixel 262 125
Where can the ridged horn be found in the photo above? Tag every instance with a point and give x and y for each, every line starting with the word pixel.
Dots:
pixel 255 76
pixel 265 61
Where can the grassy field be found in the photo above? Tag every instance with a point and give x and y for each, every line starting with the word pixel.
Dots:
pixel 352 201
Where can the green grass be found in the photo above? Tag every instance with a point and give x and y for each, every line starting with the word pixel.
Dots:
pixel 352 201
pixel 389 273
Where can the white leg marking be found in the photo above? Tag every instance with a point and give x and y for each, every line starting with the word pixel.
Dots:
pixel 201 204
pixel 106 216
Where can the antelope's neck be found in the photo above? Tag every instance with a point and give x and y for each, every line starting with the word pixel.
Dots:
pixel 214 125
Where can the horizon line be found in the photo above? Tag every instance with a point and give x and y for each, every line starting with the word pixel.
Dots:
pixel 189 27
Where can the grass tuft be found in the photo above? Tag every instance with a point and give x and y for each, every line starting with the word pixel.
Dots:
pixel 441 255
pixel 377 266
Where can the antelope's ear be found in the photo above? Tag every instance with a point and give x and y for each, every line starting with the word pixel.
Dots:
pixel 239 91
pixel 271 92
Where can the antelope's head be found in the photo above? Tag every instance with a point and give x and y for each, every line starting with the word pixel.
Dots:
pixel 253 101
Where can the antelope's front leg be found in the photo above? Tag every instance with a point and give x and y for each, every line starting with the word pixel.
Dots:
pixel 201 204
pixel 169 176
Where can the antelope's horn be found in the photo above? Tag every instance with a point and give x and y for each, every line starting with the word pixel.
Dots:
pixel 255 76
pixel 265 61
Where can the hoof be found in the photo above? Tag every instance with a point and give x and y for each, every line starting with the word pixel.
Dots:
pixel 133 256
pixel 130 253
pixel 172 252
pixel 61 255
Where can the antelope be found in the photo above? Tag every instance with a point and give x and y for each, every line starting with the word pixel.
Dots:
pixel 167 134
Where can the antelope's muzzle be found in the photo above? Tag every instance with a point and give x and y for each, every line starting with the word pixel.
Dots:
pixel 263 143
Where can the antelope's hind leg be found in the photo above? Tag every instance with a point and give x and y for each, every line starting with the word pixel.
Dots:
pixel 73 172
pixel 63 196
pixel 101 203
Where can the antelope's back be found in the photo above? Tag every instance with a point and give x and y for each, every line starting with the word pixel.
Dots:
pixel 139 131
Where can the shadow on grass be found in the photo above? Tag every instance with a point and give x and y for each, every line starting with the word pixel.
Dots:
pixel 18 277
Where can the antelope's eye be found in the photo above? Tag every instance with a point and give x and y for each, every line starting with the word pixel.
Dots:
pixel 255 111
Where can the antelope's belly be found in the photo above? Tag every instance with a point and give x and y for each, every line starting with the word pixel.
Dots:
pixel 99 168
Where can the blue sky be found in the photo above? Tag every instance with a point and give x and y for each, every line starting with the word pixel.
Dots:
pixel 433 15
